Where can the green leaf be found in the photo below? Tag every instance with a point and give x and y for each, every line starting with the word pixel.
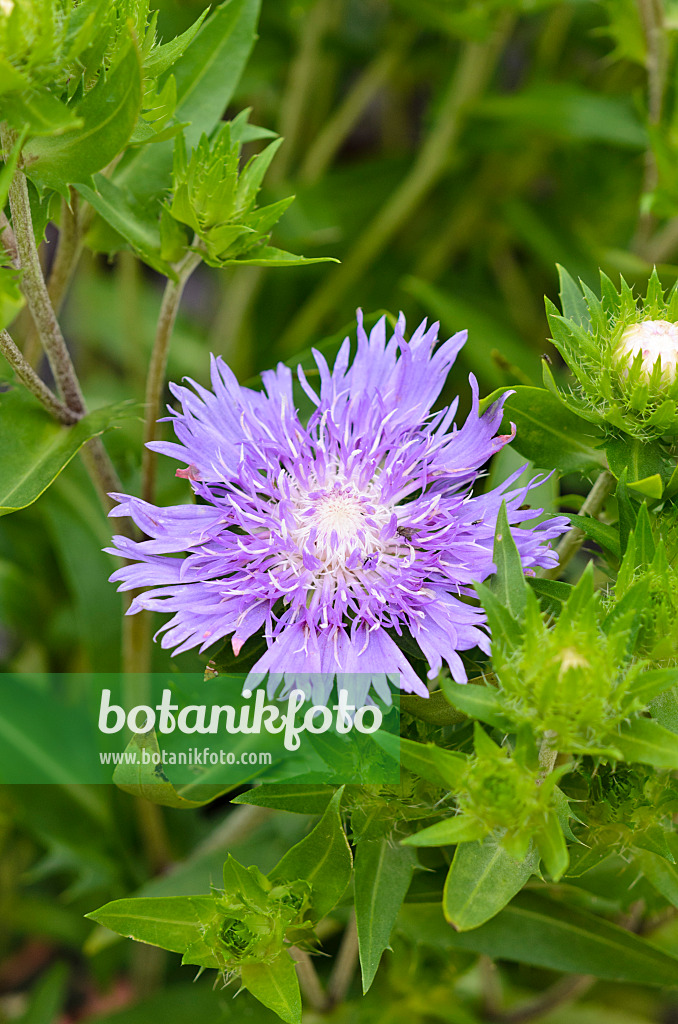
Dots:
pixel 553 848
pixel 555 592
pixel 268 256
pixel 650 486
pixel 549 434
pixel 109 113
pixel 428 760
pixel 171 922
pixel 508 583
pixel 641 459
pixel 383 872
pixel 481 881
pixel 34 448
pixel 149 781
pixel 661 873
pixel 434 709
pixel 664 709
pixel 627 513
pixel 506 631
pixel 548 933
pixel 458 829
pixel 161 58
pixel 572 301
pixel 476 700
pixel 606 536
pixel 136 224
pixel 648 742
pixel 276 986
pixel 206 77
pixel 298 798
pixel 323 858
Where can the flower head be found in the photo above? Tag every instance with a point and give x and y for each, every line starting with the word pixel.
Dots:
pixel 336 536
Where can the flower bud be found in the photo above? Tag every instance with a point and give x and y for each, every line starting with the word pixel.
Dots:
pixel 653 339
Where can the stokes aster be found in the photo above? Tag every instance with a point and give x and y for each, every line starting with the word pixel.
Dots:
pixel 335 534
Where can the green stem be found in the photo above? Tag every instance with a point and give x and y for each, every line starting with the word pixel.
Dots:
pixel 574 538
pixel 34 288
pixel 467 83
pixel 559 994
pixel 30 379
pixel 39 304
pixel 155 384
pixel 8 241
pixel 321 152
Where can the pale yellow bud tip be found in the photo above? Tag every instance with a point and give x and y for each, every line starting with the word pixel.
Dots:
pixel 654 339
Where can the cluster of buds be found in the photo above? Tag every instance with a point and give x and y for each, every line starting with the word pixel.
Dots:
pixel 251 921
pixel 572 681
pixel 624 355
pixel 213 203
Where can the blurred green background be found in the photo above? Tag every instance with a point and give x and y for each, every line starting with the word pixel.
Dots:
pixel 449 153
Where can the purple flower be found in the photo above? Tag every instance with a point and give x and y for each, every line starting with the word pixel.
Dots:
pixel 337 535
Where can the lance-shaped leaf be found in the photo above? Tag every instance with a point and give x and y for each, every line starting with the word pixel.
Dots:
pixel 34 448
pixel 508 582
pixel 276 986
pixel 172 922
pixel 648 742
pixel 298 798
pixel 549 933
pixel 481 881
pixel 549 434
pixel 606 536
pixel 476 701
pixel 149 781
pixel 383 872
pixel 323 858
pixel 664 709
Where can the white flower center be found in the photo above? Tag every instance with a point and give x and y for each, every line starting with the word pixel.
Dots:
pixel 654 339
pixel 340 527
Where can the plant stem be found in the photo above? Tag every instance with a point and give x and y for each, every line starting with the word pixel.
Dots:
pixel 155 384
pixel 68 252
pixel 309 981
pixel 468 81
pixel 39 304
pixel 559 994
pixel 30 379
pixel 321 152
pixel 345 965
pixel 574 538
pixel 7 240
pixel 34 288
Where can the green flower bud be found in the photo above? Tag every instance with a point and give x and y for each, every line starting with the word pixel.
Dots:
pixel 624 356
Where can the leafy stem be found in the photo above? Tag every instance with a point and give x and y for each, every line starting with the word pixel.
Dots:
pixel 30 379
pixel 34 288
